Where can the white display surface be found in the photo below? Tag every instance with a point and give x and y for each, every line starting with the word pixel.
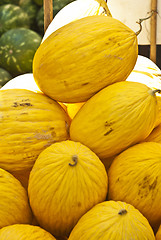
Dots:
pixel 130 11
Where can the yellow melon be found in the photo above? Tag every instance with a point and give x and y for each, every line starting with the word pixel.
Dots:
pixel 30 122
pixel 14 206
pixel 25 81
pixel 24 232
pixel 84 56
pixel 155 135
pixel 150 78
pixel 134 177
pixel 159 109
pixel 66 180
pixel 112 220
pixel 114 118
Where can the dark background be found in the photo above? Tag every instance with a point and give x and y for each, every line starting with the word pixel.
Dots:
pixel 144 50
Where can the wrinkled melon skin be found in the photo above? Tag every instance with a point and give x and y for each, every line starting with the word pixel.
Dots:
pixel 115 118
pixel 105 222
pixel 30 122
pixel 61 190
pixel 24 232
pixel 134 177
pixel 14 205
pixel 84 56
pixel 155 135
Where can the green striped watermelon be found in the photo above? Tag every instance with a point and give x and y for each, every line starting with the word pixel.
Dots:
pixel 12 16
pixel 5 76
pixel 31 9
pixel 17 49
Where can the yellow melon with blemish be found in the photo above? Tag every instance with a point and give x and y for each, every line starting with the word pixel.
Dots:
pixel 84 56
pixel 134 177
pixel 114 118
pixel 14 205
pixel 30 122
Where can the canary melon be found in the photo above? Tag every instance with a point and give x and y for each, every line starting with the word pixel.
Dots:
pixel 66 181
pixel 30 122
pixel 14 205
pixel 84 56
pixel 114 118
pixel 134 177
pixel 112 220
pixel 151 80
pixel 24 232
pixel 155 135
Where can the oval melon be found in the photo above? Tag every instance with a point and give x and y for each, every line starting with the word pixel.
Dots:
pixel 66 181
pixel 30 122
pixel 14 205
pixel 24 232
pixel 134 177
pixel 114 118
pixel 84 56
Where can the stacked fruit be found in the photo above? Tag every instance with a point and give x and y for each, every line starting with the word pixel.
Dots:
pixel 92 173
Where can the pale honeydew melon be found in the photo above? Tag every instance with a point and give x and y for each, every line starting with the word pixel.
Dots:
pixel 146 64
pixel 146 78
pixel 147 72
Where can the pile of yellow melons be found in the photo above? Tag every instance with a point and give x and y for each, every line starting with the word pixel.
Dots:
pixel 80 139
